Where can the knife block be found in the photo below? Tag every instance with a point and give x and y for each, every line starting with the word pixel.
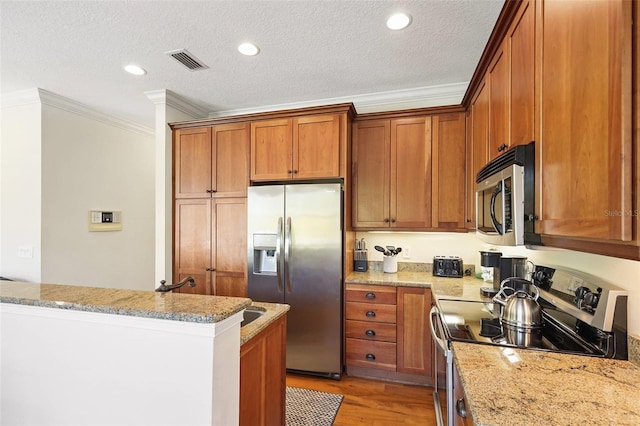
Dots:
pixel 360 261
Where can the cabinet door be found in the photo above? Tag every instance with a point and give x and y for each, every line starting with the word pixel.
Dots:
pixel 230 174
pixel 262 377
pixel 478 142
pixel 521 49
pixel 448 181
pixel 410 173
pixel 461 411
pixel 583 179
pixel 230 247
pixel 271 146
pixel 316 147
pixel 370 170
pixel 192 244
pixel 192 162
pixel 498 81
pixel 414 336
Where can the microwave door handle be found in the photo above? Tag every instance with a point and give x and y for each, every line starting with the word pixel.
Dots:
pixel 492 210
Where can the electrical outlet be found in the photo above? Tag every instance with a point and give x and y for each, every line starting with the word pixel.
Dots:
pixel 25 252
pixel 405 253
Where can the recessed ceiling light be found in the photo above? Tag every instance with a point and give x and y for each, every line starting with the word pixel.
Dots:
pixel 134 69
pixel 248 49
pixel 398 21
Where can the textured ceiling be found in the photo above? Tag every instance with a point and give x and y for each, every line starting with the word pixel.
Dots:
pixel 309 50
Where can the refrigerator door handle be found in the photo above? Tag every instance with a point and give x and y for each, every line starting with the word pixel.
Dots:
pixel 287 253
pixel 278 245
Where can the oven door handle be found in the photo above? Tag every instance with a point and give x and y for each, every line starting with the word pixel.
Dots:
pixel 435 314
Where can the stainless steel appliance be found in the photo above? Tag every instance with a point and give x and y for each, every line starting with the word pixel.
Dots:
pixel 581 315
pixel 505 211
pixel 503 267
pixel 295 257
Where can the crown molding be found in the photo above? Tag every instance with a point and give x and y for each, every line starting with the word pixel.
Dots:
pixel 44 97
pixel 172 99
pixel 421 97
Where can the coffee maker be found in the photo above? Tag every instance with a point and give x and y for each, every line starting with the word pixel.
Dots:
pixel 503 267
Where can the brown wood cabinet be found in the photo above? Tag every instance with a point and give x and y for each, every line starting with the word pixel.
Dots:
pixel 263 377
pixel 305 147
pixel 584 146
pixel 392 173
pixel 387 333
pixel 498 84
pixel 478 148
pixel 211 161
pixel 448 177
pixel 461 410
pixel 210 245
pixel 414 336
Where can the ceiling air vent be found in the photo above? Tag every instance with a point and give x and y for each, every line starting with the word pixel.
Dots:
pixel 187 59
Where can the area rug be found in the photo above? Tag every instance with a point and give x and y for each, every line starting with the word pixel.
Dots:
pixel 307 407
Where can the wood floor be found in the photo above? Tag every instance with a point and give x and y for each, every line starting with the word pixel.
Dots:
pixel 372 402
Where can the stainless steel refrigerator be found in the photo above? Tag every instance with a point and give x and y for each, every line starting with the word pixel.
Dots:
pixel 295 257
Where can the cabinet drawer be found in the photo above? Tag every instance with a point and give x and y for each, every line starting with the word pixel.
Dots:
pixel 371 294
pixel 370 331
pixel 371 312
pixel 369 354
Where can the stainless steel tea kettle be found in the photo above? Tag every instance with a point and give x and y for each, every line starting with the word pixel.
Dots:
pixel 521 316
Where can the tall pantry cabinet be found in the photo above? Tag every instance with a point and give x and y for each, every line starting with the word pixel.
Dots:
pixel 211 175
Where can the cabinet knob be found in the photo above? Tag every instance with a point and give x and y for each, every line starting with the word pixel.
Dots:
pixel 295 171
pixel 371 314
pixel 461 409
pixel 503 147
pixel 289 171
pixel 370 295
pixel 393 221
pixel 386 221
pixel 371 357
pixel 370 333
pixel 210 269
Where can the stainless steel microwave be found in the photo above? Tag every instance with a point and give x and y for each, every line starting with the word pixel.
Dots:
pixel 505 199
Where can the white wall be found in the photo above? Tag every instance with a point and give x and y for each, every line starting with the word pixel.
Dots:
pixel 424 246
pixel 59 160
pixel 20 186
pixel 92 165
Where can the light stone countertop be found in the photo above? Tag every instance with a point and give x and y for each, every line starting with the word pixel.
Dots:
pixel 146 304
pixel 272 311
pixel 543 387
pixel 526 387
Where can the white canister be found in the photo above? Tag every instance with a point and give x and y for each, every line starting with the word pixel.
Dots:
pixel 390 264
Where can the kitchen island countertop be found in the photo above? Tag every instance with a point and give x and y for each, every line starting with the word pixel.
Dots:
pixel 272 311
pixel 145 304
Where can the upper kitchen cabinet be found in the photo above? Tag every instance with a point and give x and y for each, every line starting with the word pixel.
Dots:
pixel 510 81
pixel 306 147
pixel 584 146
pixel 391 167
pixel 448 177
pixel 211 161
pixel 477 148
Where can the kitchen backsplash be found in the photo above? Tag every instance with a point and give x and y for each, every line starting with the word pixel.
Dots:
pixel 377 266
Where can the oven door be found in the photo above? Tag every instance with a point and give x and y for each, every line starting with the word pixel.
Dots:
pixel 499 204
pixel 442 354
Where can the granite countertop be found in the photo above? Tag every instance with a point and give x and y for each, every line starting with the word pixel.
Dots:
pixel 512 387
pixel 272 311
pixel 465 288
pixel 146 304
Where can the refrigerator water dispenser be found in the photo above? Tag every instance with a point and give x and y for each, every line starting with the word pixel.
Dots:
pixel 264 254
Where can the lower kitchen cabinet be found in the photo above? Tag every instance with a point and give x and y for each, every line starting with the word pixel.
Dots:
pixel 210 245
pixel 462 415
pixel 263 377
pixel 387 335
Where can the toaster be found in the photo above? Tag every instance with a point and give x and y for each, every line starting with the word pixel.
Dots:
pixel 447 266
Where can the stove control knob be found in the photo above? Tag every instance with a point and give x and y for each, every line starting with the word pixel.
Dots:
pixel 581 292
pixel 590 301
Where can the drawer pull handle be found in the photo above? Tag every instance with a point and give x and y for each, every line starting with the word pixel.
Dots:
pixel 370 296
pixel 370 333
pixel 371 314
pixel 371 357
